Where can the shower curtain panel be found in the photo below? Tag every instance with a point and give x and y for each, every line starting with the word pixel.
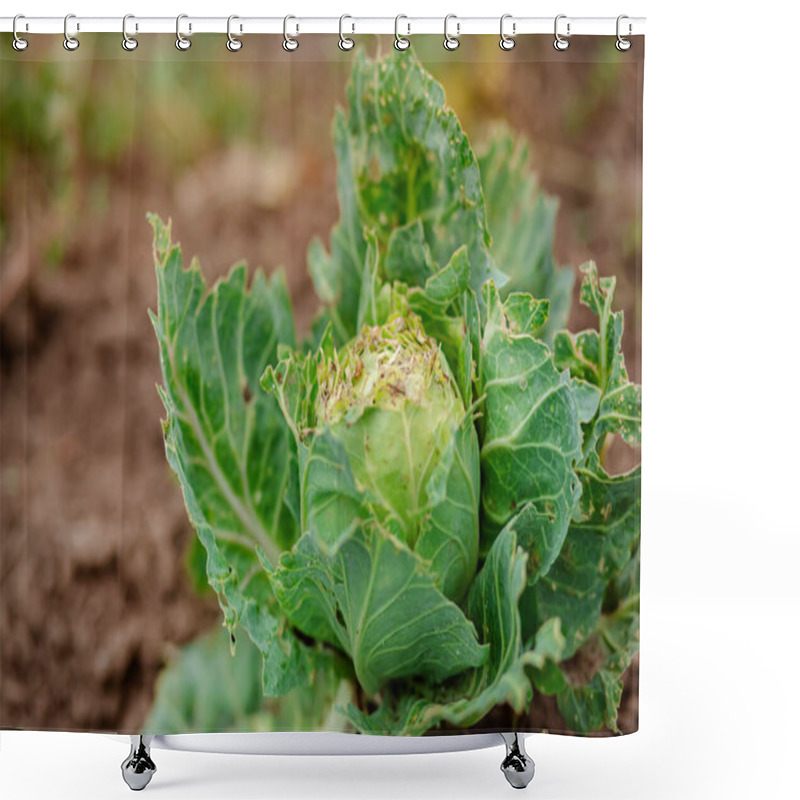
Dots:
pixel 320 400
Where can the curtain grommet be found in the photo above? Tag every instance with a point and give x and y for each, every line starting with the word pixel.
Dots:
pixel 507 42
pixel 451 42
pixel 183 43
pixel 346 43
pixel 71 43
pixel 18 43
pixel 234 43
pixel 290 43
pixel 401 43
pixel 129 43
pixel 622 44
pixel 561 43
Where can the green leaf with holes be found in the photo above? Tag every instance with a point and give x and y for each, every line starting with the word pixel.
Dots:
pixel 530 432
pixel 596 362
pixel 227 441
pixel 598 547
pixel 406 173
pixel 521 221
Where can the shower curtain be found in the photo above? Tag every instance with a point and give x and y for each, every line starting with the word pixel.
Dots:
pixel 320 402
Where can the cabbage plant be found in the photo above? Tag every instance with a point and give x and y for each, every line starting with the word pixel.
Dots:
pixel 408 514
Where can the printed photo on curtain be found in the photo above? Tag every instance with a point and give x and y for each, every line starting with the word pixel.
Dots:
pixel 320 403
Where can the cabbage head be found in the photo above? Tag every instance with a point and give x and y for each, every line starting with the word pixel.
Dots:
pixel 388 489
pixel 390 399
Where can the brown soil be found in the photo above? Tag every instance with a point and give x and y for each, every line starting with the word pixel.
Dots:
pixel 93 588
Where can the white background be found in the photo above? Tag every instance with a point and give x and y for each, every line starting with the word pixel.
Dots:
pixel 721 539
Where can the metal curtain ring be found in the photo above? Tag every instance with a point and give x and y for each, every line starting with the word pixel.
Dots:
pixel 345 43
pixel 560 42
pixel 451 42
pixel 623 44
pixel 233 44
pixel 18 43
pixel 507 42
pixel 70 42
pixel 128 42
pixel 182 42
pixel 290 43
pixel 401 42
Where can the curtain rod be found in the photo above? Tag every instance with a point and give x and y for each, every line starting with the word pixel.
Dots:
pixel 350 25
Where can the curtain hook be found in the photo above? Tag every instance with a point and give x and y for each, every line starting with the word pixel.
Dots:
pixel 234 44
pixel 19 44
pixel 623 44
pixel 507 42
pixel 560 42
pixel 451 42
pixel 182 42
pixel 129 43
pixel 345 42
pixel 70 42
pixel 290 43
pixel 401 42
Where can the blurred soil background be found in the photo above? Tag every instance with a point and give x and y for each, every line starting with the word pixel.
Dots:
pixel 236 149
